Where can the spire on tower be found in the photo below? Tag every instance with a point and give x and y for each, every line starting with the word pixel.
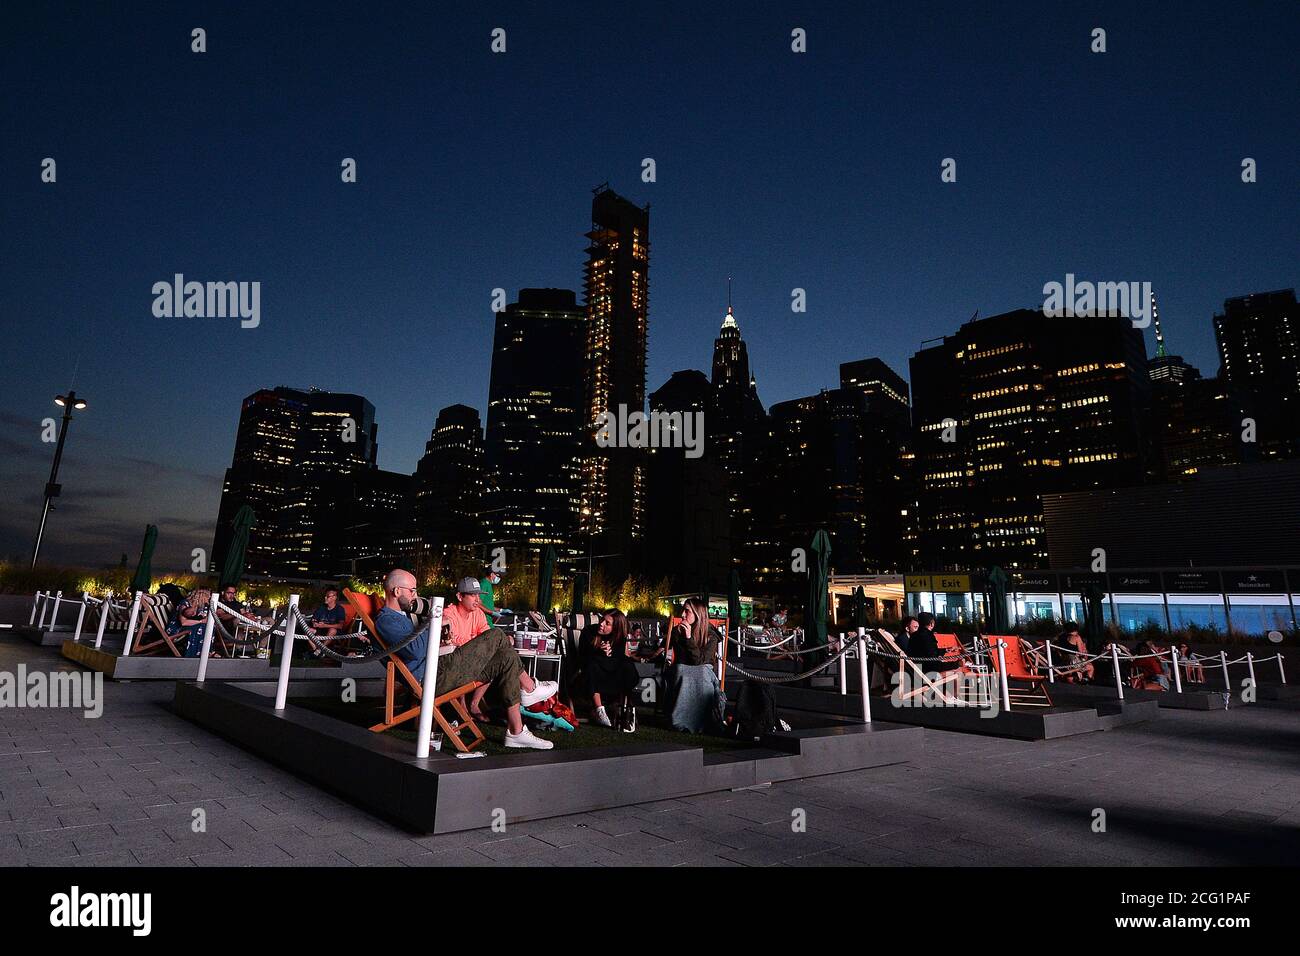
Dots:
pixel 729 320
pixel 1160 336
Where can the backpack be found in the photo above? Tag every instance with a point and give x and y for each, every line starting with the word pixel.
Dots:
pixel 755 710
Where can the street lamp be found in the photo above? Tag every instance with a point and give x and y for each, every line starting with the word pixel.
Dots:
pixel 68 403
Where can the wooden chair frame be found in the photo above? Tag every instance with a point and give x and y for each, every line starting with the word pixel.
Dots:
pixel 395 667
pixel 924 681
pixel 1035 693
pixel 151 617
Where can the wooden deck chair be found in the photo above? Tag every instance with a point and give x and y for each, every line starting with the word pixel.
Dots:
pixel 1025 686
pixel 395 670
pixel 921 681
pixel 155 612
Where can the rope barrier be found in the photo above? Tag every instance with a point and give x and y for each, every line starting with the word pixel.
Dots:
pixel 791 678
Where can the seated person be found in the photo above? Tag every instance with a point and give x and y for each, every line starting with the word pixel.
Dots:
pixel 924 646
pixel 1070 639
pixel 697 693
pixel 330 618
pixel 1194 670
pixel 610 673
pixel 488 656
pixel 648 649
pixel 189 620
pixel 1149 672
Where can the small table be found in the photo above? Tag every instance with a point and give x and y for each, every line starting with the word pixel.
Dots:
pixel 531 655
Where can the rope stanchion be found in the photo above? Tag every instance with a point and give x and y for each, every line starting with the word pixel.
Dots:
pixel 286 657
pixel 1173 656
pixel 207 640
pixel 1114 660
pixel 81 617
pixel 1002 676
pixel 863 675
pixel 1250 665
pixel 429 687
pixel 130 624
pixel 37 601
pixel 1227 683
pixel 1051 671
pixel 103 619
pixel 844 675
pixel 1281 668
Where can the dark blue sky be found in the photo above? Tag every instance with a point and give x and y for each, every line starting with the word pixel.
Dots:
pixel 818 171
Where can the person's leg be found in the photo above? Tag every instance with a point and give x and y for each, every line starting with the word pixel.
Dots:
pixel 476 702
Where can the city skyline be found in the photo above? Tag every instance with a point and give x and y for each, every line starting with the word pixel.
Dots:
pixel 157 436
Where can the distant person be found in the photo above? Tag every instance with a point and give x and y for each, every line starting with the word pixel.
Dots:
pixel 611 675
pixel 907 627
pixel 330 617
pixel 487 592
pixel 488 656
pixel 923 647
pixel 1147 668
pixel 696 690
pixel 1072 640
pixel 189 620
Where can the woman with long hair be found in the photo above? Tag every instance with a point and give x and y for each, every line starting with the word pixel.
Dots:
pixel 189 619
pixel 610 672
pixel 698 703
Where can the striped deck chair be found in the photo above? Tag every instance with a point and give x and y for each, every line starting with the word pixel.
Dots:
pixel 396 674
pixel 1026 687
pixel 941 686
pixel 155 612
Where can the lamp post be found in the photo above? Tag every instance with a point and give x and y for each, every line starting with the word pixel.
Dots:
pixel 67 403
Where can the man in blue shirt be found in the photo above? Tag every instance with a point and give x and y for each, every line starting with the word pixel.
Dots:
pixel 489 657
pixel 328 619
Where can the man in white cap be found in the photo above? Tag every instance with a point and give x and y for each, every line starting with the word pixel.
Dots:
pixel 486 654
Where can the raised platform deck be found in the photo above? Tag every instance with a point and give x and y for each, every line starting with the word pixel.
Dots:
pixel 108 661
pixel 443 793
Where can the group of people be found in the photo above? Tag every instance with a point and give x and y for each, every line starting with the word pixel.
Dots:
pixel 189 617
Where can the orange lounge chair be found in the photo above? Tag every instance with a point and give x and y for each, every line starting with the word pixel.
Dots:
pixel 367 606
pixel 941 686
pixel 1025 686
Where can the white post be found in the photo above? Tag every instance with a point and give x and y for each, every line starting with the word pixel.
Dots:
pixel 1250 665
pixel 40 621
pixel 862 675
pixel 1227 683
pixel 1002 676
pixel 1051 672
pixel 282 686
pixel 429 683
pixel 81 616
pixel 1173 656
pixel 844 671
pixel 1281 668
pixel 103 618
pixel 207 639
pixel 1114 663
pixel 36 602
pixel 130 624
pixel 54 618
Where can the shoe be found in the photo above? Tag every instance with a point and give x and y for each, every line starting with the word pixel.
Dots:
pixel 526 738
pixel 602 718
pixel 542 690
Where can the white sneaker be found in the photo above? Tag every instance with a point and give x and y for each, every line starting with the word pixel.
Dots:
pixel 602 718
pixel 542 689
pixel 526 738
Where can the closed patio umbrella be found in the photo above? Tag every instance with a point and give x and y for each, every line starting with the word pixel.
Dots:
pixel 545 578
pixel 143 576
pixel 995 601
pixel 579 592
pixel 819 571
pixel 859 607
pixel 1094 621
pixel 733 603
pixel 232 567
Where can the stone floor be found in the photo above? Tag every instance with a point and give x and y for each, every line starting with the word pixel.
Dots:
pixel 1189 788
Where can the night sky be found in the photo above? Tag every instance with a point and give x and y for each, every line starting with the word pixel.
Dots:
pixel 475 171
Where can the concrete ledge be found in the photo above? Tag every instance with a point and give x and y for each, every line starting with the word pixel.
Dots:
pixel 1190 699
pixel 153 667
pixel 444 793
pixel 1027 724
pixel 44 637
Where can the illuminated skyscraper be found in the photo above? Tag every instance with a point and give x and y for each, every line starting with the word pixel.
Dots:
pixel 1259 347
pixel 449 485
pixel 617 287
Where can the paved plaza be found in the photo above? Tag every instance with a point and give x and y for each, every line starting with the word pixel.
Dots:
pixel 1189 788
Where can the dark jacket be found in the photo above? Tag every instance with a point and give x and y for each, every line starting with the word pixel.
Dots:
pixel 922 645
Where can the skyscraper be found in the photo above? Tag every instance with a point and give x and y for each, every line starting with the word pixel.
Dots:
pixel 617 288
pixel 449 486
pixel 1259 347
pixel 738 426
pixel 1012 407
pixel 535 420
